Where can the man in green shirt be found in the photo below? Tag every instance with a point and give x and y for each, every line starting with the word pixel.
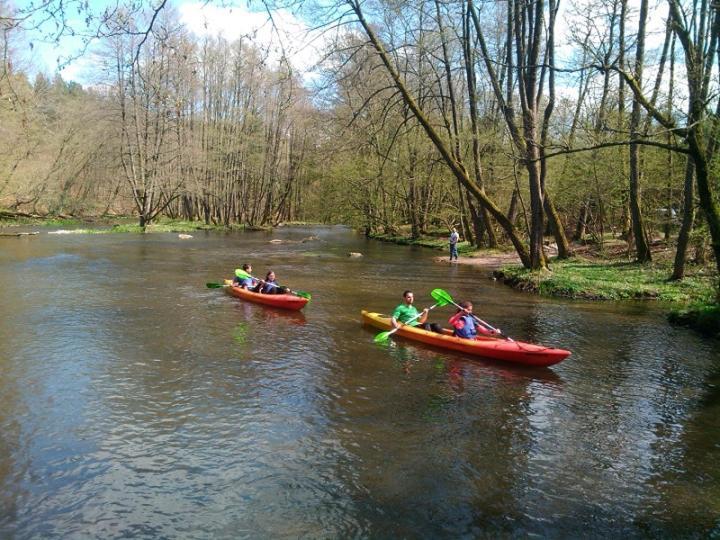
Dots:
pixel 408 314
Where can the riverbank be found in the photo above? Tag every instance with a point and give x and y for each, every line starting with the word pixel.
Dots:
pixel 607 274
pixel 113 224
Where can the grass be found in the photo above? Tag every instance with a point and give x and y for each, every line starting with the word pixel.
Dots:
pixel 168 225
pixel 704 318
pixel 578 278
pixel 692 301
pixel 119 225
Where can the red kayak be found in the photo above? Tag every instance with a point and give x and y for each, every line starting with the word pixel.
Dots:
pixel 282 301
pixel 486 346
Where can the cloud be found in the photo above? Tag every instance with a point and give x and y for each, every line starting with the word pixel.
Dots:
pixel 281 32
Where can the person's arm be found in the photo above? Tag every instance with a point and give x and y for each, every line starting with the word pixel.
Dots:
pixel 394 322
pixel 424 316
pixel 456 320
pixel 482 329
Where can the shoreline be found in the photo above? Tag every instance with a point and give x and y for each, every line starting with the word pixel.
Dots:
pixel 490 261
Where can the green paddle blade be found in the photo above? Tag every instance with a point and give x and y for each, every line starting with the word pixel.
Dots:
pixel 302 294
pixel 382 337
pixel 214 285
pixel 239 272
pixel 441 297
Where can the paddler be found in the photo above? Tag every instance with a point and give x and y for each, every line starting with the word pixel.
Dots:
pixel 466 326
pixel 406 311
pixel 269 285
pixel 248 282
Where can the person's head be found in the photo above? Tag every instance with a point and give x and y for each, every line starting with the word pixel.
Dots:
pixel 454 229
pixel 270 276
pixel 247 267
pixel 467 306
pixel 409 297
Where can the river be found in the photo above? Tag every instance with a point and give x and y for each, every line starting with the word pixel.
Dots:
pixel 136 402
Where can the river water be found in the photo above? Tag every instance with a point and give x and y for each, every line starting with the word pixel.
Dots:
pixel 136 402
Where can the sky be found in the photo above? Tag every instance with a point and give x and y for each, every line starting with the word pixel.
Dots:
pixel 301 45
pixel 201 18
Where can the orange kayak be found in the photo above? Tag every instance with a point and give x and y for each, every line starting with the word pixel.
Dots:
pixel 485 346
pixel 283 301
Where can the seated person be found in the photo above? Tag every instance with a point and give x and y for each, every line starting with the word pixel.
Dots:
pixel 466 326
pixel 406 313
pixel 247 282
pixel 269 285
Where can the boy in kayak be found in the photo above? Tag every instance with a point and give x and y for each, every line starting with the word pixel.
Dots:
pixel 466 326
pixel 406 313
pixel 269 285
pixel 247 282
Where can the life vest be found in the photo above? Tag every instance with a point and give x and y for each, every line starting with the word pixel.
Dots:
pixel 469 330
pixel 248 282
pixel 270 287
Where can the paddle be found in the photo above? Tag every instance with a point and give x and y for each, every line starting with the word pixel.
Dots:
pixel 212 285
pixel 383 336
pixel 439 294
pixel 242 274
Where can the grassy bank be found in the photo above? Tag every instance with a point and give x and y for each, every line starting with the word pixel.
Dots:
pixel 170 225
pixel 704 318
pixel 612 280
pixel 691 302
pixel 117 224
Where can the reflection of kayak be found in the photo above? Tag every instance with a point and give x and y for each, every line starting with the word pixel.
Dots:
pixel 284 301
pixel 488 347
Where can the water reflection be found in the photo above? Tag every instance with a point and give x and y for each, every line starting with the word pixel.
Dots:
pixel 136 402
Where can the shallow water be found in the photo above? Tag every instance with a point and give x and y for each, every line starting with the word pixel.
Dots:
pixel 136 402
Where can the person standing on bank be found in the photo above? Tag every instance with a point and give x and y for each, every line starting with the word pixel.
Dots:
pixel 454 239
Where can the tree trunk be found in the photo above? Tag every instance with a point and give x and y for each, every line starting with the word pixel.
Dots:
pixel 457 169
pixel 642 247
pixel 687 222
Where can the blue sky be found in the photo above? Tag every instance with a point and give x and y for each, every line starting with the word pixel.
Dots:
pixel 205 17
pixel 200 17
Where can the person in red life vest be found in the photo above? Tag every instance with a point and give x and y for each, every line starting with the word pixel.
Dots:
pixel 466 326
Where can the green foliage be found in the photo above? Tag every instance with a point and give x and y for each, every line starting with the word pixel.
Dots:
pixel 702 317
pixel 577 278
pixel 168 225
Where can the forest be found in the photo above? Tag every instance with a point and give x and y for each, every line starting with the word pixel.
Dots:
pixel 524 123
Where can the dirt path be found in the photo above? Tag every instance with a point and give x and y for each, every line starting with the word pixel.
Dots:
pixel 490 261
